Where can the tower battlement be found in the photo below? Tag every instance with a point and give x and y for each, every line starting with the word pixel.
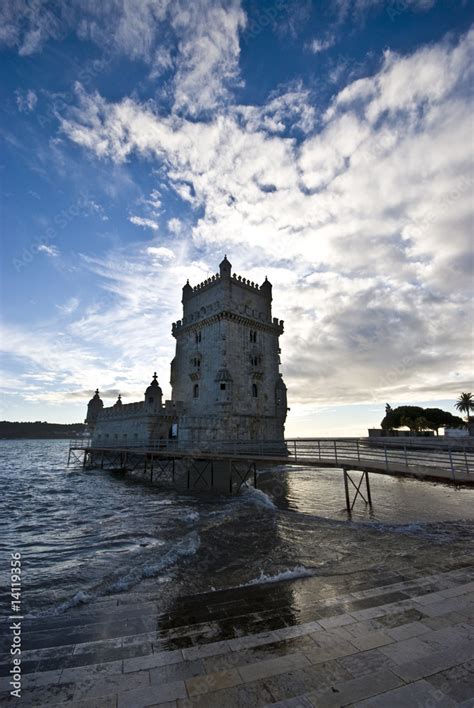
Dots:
pixel 209 282
pixel 226 294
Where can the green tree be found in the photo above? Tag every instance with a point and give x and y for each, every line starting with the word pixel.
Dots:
pixel 422 424
pixel 465 404
pixel 393 417
pixel 406 422
pixel 437 418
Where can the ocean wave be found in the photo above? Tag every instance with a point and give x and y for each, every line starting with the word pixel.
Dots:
pixel 188 546
pixel 256 496
pixel 190 516
pixel 299 571
pixel 436 531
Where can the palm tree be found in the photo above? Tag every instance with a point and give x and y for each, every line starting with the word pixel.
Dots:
pixel 465 404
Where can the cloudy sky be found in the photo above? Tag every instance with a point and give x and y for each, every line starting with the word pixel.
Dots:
pixel 326 145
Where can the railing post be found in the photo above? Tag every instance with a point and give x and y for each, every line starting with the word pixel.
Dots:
pixel 386 458
pixel 294 443
pixel 335 450
pixel 358 451
pixel 465 460
pixel 346 488
pixel 406 455
pixel 319 448
pixel 367 486
pixel 451 463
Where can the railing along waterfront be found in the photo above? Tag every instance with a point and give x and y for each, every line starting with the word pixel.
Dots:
pixel 385 455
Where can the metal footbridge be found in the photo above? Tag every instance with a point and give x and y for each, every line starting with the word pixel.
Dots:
pixel 203 464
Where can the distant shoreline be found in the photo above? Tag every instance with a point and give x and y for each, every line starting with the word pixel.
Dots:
pixel 40 430
pixel 37 437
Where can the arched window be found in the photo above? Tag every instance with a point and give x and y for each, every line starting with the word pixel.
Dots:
pixel 254 390
pixel 253 335
pixel 198 337
pixel 196 391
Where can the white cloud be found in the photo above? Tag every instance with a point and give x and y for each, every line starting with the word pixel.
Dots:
pixel 284 110
pixel 26 100
pixel 50 250
pixel 69 307
pixel 197 41
pixel 160 253
pixel 175 226
pixel 316 46
pixel 393 8
pixel 145 223
pixel 208 42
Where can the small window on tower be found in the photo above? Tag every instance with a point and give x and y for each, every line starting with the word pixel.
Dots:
pixel 222 386
pixel 196 391
pixel 254 390
pixel 198 337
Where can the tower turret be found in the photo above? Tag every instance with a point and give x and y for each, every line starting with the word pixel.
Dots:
pixel 187 292
pixel 266 290
pixel 225 268
pixel 94 407
pixel 153 394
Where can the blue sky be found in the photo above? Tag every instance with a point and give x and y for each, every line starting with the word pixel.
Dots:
pixel 326 145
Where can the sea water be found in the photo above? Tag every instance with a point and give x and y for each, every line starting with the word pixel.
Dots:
pixel 86 534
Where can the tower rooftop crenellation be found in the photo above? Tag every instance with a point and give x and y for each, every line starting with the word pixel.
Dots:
pixel 240 280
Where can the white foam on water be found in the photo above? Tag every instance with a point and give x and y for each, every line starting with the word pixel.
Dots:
pixel 188 546
pixel 256 496
pixel 299 571
pixel 191 516
pixel 80 598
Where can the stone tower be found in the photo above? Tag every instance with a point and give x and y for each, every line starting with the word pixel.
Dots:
pixel 226 367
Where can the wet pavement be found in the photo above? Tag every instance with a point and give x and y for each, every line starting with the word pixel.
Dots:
pixel 366 639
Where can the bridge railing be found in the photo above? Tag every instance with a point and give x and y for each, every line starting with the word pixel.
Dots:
pixel 453 459
pixel 388 454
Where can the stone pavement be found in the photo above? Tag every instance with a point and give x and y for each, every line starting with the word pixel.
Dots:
pixel 387 641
